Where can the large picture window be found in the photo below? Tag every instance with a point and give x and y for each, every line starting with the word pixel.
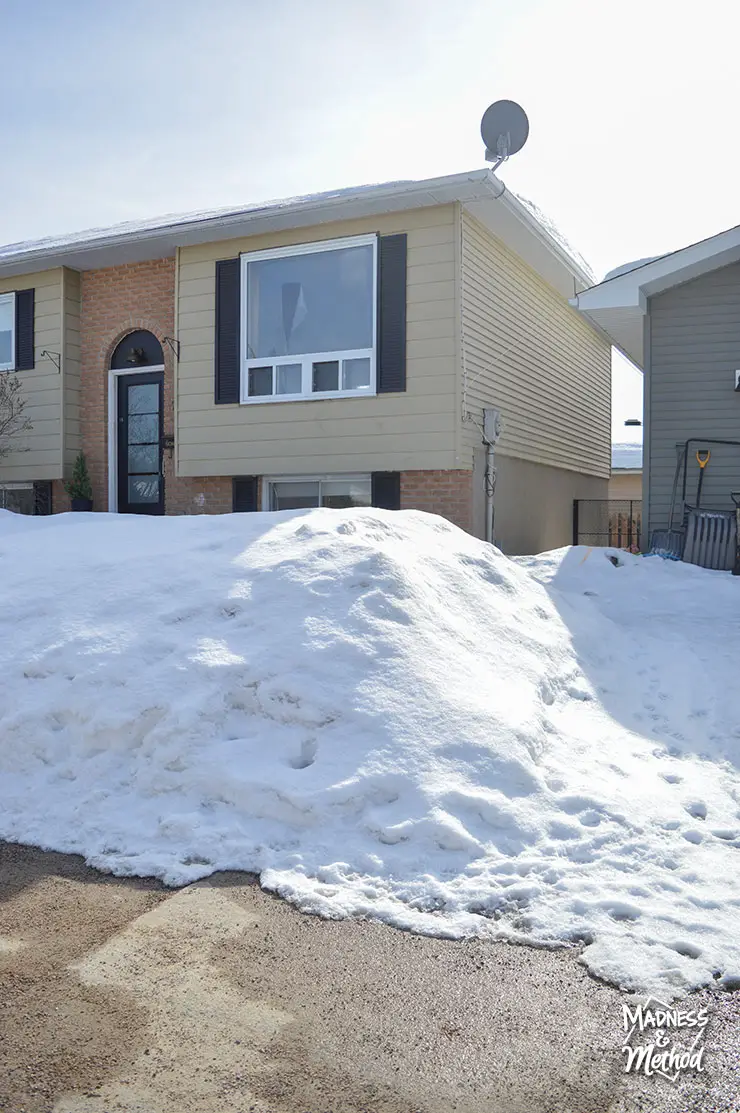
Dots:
pixel 309 321
pixel 7 332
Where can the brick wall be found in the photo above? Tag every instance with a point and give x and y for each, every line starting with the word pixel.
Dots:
pixel 59 497
pixel 447 493
pixel 210 494
pixel 115 301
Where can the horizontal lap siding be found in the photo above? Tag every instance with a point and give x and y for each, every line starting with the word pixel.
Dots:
pixel 391 432
pixel 38 453
pixel 528 354
pixel 694 352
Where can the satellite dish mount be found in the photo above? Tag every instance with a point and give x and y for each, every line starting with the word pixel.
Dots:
pixel 504 130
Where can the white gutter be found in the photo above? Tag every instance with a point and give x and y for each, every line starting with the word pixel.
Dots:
pixel 220 224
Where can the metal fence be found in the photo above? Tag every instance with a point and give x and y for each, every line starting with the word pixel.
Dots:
pixel 616 522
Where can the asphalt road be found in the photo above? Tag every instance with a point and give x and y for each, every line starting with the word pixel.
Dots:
pixel 119 996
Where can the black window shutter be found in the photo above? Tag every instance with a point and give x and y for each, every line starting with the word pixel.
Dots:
pixel 228 322
pixel 42 497
pixel 244 493
pixel 24 339
pixel 392 313
pixel 386 490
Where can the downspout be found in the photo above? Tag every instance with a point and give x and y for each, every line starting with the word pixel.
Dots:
pixel 62 369
pixel 176 368
pixel 491 433
pixel 490 481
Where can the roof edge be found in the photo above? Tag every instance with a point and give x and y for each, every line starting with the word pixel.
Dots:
pixel 136 241
pixel 428 191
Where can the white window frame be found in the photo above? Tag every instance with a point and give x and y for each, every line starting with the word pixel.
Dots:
pixel 349 477
pixel 9 299
pixel 307 360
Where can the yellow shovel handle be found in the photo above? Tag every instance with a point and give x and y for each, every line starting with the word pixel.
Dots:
pixel 706 453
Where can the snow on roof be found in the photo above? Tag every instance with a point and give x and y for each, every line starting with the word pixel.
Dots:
pixel 551 227
pixel 624 268
pixel 627 456
pixel 384 717
pixel 520 225
pixel 173 220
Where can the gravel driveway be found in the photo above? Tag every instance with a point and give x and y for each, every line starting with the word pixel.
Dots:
pixel 119 996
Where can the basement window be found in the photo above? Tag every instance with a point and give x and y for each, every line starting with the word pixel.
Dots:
pixel 18 497
pixel 309 321
pixel 340 492
pixel 7 332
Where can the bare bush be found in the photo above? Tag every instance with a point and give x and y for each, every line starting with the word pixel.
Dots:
pixel 12 422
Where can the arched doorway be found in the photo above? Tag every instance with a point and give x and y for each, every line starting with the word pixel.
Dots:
pixel 136 397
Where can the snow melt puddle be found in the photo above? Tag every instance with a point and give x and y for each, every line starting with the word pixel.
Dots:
pixel 385 718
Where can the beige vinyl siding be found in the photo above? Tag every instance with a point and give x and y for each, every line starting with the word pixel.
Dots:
pixel 71 367
pixel 530 355
pixel 38 454
pixel 625 485
pixel 391 432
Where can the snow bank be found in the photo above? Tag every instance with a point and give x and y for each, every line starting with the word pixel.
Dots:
pixel 384 717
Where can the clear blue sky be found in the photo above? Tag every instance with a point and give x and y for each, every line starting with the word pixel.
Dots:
pixel 117 109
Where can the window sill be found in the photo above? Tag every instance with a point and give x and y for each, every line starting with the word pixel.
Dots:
pixel 324 397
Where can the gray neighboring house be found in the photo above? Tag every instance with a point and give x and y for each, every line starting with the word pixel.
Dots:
pixel 677 316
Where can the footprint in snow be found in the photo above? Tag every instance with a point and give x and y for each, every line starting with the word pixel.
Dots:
pixel 697 809
pixel 620 910
pixel 683 947
pixel 307 755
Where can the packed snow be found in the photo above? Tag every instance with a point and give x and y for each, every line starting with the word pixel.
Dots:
pixel 385 718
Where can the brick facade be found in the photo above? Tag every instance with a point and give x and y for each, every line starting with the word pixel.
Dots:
pixel 118 300
pixel 115 301
pixel 447 493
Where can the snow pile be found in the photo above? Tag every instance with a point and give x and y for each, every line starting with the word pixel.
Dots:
pixel 385 718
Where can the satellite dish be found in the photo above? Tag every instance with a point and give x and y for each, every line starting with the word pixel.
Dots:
pixel 504 130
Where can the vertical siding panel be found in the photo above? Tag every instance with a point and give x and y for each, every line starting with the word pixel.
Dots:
pixel 71 367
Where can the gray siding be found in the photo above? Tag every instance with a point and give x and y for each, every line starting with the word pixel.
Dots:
pixel 694 344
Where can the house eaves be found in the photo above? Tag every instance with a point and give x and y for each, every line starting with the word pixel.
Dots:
pixel 619 305
pixel 480 191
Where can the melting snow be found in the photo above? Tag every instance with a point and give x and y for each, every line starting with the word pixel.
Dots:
pixel 384 717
